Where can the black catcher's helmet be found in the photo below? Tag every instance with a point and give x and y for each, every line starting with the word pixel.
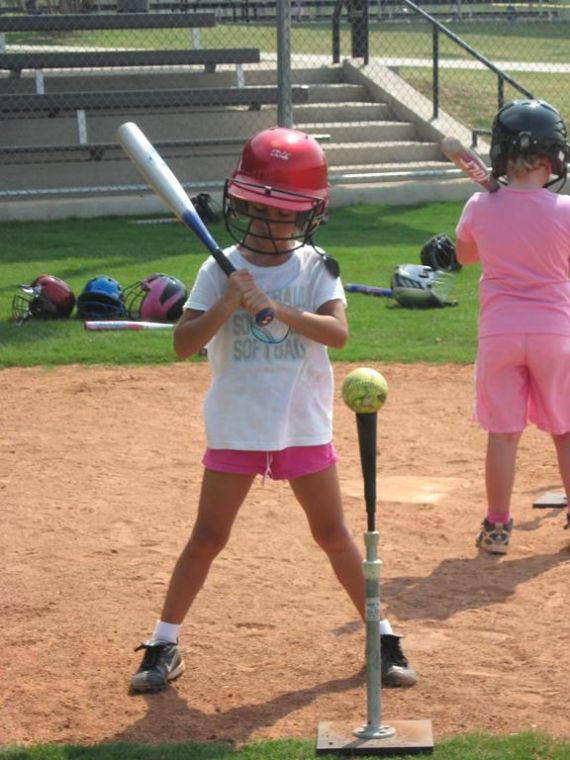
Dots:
pixel 529 127
pixel 47 297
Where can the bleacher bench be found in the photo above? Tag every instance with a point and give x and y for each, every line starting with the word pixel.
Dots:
pixel 209 58
pixel 237 11
pixel 74 59
pixel 54 104
pixel 114 59
pixel 72 22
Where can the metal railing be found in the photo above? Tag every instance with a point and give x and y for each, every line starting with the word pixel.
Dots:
pixel 358 17
pixel 439 28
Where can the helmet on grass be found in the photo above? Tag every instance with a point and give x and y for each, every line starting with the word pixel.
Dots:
pixel 156 298
pixel 439 253
pixel 47 297
pixel 101 298
pixel 526 128
pixel 415 286
pixel 283 169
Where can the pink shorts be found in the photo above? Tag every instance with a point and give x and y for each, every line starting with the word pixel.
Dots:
pixel 522 378
pixel 279 465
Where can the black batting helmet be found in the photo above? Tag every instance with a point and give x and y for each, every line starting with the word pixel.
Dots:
pixel 529 127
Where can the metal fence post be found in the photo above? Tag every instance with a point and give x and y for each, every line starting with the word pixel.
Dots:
pixel 435 57
pixel 284 105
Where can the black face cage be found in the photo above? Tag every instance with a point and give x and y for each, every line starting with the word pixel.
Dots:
pixel 21 308
pixel 238 217
pixel 32 305
pixel 99 306
pixel 133 296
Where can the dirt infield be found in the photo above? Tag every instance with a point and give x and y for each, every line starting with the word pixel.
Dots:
pixel 99 472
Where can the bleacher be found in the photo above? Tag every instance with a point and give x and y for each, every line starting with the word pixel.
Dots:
pixel 48 95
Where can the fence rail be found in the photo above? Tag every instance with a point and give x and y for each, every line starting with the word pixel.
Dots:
pixel 303 11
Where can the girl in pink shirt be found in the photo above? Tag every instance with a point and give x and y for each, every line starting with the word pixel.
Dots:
pixel 521 237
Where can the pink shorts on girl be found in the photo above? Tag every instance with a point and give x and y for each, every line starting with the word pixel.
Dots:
pixel 521 378
pixel 286 464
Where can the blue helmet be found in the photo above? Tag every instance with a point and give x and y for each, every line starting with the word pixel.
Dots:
pixel 101 298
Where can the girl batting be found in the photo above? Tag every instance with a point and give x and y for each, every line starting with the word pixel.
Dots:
pixel 282 426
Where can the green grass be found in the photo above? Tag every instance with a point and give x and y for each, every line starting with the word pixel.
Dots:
pixel 499 40
pixel 471 96
pixel 368 241
pixel 527 746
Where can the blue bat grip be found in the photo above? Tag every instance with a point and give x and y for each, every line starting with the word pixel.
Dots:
pixel 191 218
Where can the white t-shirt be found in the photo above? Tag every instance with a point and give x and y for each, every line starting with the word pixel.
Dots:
pixel 271 387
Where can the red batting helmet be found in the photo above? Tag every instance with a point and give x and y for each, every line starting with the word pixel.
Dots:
pixel 284 169
pixel 47 297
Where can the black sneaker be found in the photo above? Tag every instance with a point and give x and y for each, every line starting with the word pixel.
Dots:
pixel 494 537
pixel 162 662
pixel 396 670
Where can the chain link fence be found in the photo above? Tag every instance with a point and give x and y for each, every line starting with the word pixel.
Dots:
pixel 378 82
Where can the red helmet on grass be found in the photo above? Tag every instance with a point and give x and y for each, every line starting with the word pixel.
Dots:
pixel 47 297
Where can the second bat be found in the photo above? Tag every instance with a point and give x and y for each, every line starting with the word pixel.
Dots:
pixel 469 163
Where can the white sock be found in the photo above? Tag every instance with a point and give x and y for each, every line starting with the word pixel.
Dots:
pixel 166 632
pixel 385 627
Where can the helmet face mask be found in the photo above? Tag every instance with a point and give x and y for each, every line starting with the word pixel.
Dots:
pixel 250 221
pixel 47 297
pixel 529 128
pixel 156 298
pixel 283 170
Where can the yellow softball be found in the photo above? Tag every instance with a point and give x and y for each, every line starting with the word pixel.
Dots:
pixel 364 390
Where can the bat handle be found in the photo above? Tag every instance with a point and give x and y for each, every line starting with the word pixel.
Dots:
pixel 264 316
pixel 222 261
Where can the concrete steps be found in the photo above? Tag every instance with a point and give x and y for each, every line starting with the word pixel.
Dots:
pixel 358 131
pixel 360 135
pixel 342 112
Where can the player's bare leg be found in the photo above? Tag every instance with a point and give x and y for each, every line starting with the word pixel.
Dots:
pixel 221 496
pixel 562 443
pixel 319 496
pixel 500 470
pixel 495 532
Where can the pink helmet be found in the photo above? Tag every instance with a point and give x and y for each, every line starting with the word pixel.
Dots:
pixel 156 298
